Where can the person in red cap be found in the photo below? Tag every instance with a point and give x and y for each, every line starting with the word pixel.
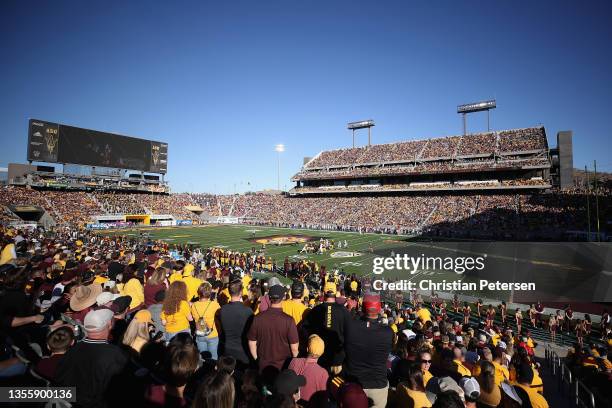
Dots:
pixel 368 344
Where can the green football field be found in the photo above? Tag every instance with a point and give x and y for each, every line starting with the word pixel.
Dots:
pixel 356 258
pixel 554 266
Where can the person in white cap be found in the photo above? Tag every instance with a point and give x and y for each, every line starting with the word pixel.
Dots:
pixel 471 391
pixel 105 299
pixel 91 364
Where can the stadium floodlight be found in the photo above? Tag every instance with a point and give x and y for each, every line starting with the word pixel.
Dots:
pixel 279 148
pixel 476 107
pixel 362 124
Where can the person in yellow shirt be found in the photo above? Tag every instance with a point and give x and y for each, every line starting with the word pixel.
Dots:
pixel 191 281
pixel 354 286
pixel 8 253
pixel 423 314
pixel 295 307
pixel 132 288
pixel 411 390
pixel 175 314
pixel 524 378
pixel 425 362
pixel 177 275
pixel 458 365
pixel 204 312
pixel 330 286
pixel 501 372
pixel 246 281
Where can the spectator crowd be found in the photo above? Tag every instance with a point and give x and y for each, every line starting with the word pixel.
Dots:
pixel 133 322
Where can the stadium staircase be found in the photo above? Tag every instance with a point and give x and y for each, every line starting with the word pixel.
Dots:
pixel 56 214
pixel 418 156
pixel 219 208
pixel 231 210
pixel 431 213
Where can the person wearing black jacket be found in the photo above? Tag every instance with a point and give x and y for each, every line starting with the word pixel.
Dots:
pixel 328 320
pixel 368 344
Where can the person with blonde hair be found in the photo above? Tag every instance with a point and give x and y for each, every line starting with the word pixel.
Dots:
pixel 175 315
pixel 137 333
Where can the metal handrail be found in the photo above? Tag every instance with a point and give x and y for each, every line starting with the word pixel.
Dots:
pixel 578 401
pixel 566 377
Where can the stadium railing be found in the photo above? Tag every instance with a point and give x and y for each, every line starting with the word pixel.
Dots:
pixel 579 393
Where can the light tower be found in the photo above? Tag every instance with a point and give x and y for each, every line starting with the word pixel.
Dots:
pixel 361 125
pixel 279 148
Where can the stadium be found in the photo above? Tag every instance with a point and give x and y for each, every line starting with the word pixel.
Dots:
pixel 348 207
pixel 469 269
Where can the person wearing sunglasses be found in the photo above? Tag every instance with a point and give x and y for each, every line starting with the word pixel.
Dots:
pixel 425 364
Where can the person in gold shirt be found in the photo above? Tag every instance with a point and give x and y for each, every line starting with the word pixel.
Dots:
pixel 175 314
pixel 458 365
pixel 132 288
pixel 295 307
pixel 191 281
pixel 501 371
pixel 8 253
pixel 423 314
pixel 411 390
pixel 425 361
pixel 524 378
pixel 204 312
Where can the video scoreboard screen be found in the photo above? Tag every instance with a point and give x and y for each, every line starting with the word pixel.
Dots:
pixel 55 143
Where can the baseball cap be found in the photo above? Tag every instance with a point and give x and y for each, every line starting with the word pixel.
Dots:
pixel 471 388
pixel 277 291
pixel 352 395
pixel 439 385
pixel 288 382
pixel 371 304
pixel 297 287
pixel 97 320
pixel 121 304
pixel 104 298
pixel 510 392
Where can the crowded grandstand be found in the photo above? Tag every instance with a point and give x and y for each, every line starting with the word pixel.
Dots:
pixel 130 320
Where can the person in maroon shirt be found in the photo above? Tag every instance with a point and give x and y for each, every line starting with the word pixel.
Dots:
pixel 154 284
pixel 273 336
pixel 58 342
pixel 316 376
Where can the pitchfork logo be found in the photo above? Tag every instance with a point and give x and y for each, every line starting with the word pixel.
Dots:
pixel 155 154
pixel 50 141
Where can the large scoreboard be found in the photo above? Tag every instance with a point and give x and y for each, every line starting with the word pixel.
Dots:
pixel 56 143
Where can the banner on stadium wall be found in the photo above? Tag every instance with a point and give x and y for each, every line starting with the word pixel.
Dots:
pixel 184 222
pixel 228 220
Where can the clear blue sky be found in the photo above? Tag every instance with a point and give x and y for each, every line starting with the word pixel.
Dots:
pixel 223 82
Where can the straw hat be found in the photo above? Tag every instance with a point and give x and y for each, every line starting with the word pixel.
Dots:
pixel 84 297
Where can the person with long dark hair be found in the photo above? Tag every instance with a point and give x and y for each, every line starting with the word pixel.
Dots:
pixel 490 393
pixel 411 389
pixel 217 391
